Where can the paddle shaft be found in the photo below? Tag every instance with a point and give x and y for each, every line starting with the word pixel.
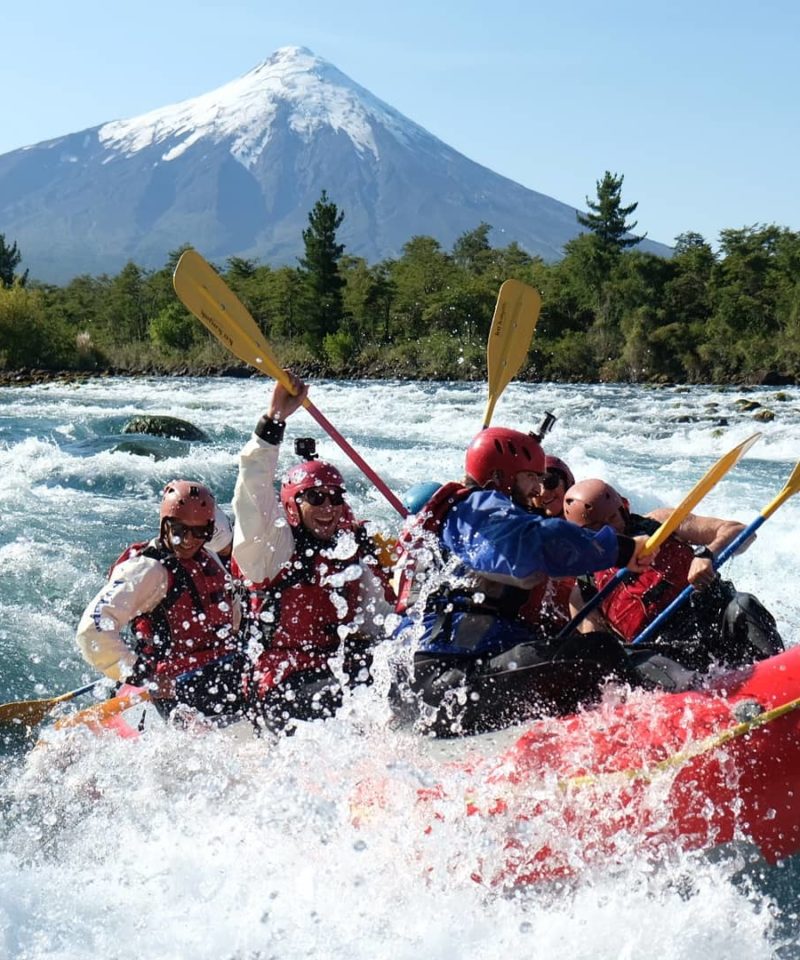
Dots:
pixel 76 693
pixel 722 557
pixel 687 591
pixel 356 457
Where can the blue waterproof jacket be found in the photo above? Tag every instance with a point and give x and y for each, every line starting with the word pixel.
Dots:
pixel 494 537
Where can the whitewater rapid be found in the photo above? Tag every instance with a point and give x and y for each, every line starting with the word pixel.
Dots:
pixel 217 845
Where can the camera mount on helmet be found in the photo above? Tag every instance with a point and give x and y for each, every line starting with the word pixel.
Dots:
pixel 306 448
pixel 545 427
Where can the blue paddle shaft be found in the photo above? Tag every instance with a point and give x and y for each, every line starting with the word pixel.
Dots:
pixel 687 591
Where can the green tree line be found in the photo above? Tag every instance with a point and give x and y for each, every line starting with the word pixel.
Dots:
pixel 610 311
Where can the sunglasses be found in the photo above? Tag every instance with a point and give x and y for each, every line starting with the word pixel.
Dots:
pixel 316 498
pixel 551 480
pixel 180 531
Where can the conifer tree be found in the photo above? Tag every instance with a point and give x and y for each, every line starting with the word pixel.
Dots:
pixel 319 269
pixel 607 219
pixel 9 261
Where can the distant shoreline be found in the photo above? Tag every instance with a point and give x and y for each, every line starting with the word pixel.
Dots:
pixel 32 377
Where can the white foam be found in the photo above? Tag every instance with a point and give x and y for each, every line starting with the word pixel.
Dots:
pixel 213 846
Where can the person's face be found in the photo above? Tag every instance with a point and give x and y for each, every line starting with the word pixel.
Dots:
pixel 551 499
pixel 321 510
pixel 527 487
pixel 185 541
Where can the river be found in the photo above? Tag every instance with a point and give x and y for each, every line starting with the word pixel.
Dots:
pixel 180 845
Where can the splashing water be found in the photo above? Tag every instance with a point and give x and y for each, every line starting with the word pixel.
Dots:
pixel 215 844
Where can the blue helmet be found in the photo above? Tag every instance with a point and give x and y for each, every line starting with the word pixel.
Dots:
pixel 415 498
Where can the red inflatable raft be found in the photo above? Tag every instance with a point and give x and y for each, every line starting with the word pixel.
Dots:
pixel 692 770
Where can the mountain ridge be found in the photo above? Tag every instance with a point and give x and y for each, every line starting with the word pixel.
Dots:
pixel 236 170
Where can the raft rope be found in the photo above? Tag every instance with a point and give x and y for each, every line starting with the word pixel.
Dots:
pixel 684 756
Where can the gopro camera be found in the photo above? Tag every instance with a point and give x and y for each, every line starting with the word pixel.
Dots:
pixel 546 426
pixel 306 448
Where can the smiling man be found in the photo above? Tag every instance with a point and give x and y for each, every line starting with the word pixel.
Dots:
pixel 184 617
pixel 315 582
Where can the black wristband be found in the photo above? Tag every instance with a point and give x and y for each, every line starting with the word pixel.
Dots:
pixel 270 431
pixel 626 547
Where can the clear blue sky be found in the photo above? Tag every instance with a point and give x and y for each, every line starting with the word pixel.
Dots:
pixel 696 103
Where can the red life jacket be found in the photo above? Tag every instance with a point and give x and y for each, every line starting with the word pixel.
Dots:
pixel 301 610
pixel 193 624
pixel 633 604
pixel 427 520
pixel 547 605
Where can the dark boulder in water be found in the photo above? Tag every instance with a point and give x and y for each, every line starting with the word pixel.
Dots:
pixel 158 426
pixel 157 448
pixel 764 415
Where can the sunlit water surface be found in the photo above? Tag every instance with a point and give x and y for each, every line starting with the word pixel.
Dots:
pixel 217 845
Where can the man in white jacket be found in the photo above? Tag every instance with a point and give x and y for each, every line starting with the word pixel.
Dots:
pixel 315 581
pixel 184 616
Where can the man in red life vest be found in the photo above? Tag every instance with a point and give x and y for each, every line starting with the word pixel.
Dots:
pixel 178 599
pixel 316 585
pixel 467 661
pixel 718 623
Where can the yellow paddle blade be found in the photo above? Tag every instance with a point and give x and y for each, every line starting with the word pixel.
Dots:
pixel 515 316
pixel 28 712
pixel 698 491
pixel 32 712
pixel 205 294
pixel 791 487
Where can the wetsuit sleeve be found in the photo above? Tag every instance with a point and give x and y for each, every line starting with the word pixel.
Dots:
pixel 136 586
pixel 495 537
pixel 262 539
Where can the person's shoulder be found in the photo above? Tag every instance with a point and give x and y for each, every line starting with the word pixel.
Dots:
pixel 646 526
pixel 489 503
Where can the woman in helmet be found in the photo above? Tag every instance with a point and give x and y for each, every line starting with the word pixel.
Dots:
pixel 315 582
pixel 718 622
pixel 184 616
pixel 480 547
pixel 556 481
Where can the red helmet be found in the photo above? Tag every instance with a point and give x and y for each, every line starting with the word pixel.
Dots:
pixel 556 465
pixel 189 502
pixel 594 503
pixel 303 476
pixel 496 455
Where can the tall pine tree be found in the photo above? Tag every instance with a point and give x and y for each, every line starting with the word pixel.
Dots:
pixel 9 261
pixel 607 219
pixel 319 269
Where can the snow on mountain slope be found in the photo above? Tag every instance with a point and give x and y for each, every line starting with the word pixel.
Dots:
pixel 235 172
pixel 246 110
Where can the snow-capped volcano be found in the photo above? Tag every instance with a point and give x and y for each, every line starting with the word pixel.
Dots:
pixel 245 111
pixel 235 172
